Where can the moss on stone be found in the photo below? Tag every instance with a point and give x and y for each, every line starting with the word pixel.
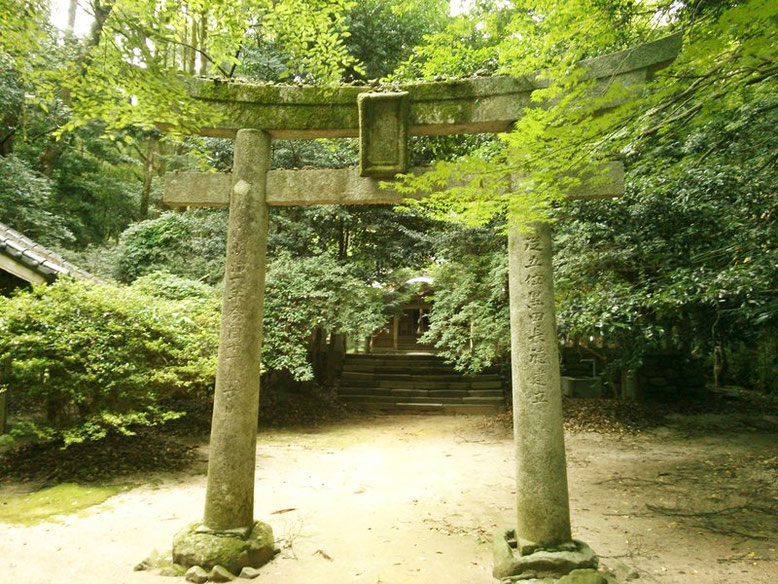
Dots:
pixel 583 577
pixel 209 549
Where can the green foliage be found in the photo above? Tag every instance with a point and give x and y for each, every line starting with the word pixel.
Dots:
pixel 26 200
pixel 191 244
pixel 172 287
pixel 375 241
pixel 470 319
pixel 382 34
pixel 23 27
pixel 302 294
pixel 84 359
pixel 76 190
pixel 96 187
pixel 469 43
pixel 141 48
pixel 646 272
pixel 728 61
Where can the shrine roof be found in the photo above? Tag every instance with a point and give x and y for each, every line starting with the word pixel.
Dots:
pixel 31 261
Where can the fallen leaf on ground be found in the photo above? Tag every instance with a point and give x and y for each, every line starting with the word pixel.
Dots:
pixel 283 511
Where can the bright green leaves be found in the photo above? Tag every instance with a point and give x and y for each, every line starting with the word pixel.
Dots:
pixel 303 294
pixel 128 70
pixel 312 33
pixel 23 28
pixel 729 60
pixel 83 359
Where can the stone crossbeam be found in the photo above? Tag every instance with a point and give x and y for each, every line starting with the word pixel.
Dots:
pixel 460 106
pixel 341 186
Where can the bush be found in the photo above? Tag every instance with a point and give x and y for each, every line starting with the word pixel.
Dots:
pixel 172 287
pixel 302 294
pixel 82 359
pixel 26 201
pixel 192 245
pixel 470 318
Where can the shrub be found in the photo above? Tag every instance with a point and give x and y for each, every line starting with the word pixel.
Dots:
pixel 302 294
pixel 191 245
pixel 172 287
pixel 26 201
pixel 82 359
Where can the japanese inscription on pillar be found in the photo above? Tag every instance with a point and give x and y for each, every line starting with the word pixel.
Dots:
pixel 539 335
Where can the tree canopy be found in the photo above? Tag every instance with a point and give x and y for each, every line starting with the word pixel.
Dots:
pixel 728 64
pixel 685 259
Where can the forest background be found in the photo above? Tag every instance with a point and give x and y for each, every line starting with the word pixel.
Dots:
pixel 686 261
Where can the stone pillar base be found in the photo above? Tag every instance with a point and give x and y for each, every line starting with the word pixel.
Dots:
pixel 234 550
pixel 544 565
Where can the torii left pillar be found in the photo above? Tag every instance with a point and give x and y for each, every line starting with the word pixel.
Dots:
pixel 228 535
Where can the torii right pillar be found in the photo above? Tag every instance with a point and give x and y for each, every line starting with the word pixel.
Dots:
pixel 543 510
pixel 541 545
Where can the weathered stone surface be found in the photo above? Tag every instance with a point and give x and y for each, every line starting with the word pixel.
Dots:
pixel 383 134
pixel 172 571
pixel 229 499
pixel 456 106
pixel 150 562
pixel 196 574
pixel 553 563
pixel 163 565
pixel 249 573
pixel 342 186
pixel 220 574
pixel 543 514
pixel 583 577
pixel 622 571
pixel 193 548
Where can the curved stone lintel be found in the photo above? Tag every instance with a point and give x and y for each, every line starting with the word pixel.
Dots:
pixel 456 106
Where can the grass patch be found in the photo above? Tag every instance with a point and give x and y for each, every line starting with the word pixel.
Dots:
pixel 46 504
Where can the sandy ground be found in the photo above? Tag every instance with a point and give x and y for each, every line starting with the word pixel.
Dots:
pixel 412 499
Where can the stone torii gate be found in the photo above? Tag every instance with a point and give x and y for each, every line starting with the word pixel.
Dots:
pixel 541 543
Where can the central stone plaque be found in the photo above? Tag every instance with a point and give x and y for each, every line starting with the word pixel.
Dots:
pixel 383 134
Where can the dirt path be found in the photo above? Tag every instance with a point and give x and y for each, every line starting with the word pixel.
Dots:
pixel 409 499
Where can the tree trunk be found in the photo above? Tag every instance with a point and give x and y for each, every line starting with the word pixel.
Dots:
pixel 72 5
pixel 148 174
pixel 201 39
pixel 192 41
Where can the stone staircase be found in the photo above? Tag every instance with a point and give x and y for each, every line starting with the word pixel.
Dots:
pixel 417 383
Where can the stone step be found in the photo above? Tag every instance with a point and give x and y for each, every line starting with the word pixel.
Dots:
pixel 415 399
pixel 450 409
pixel 362 375
pixel 441 385
pixel 399 370
pixel 385 391
pixel 417 383
pixel 391 357
pixel 382 399
pixel 394 358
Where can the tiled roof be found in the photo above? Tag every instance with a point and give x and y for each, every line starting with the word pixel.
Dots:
pixel 36 257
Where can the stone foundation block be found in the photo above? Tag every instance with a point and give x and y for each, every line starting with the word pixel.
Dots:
pixel 542 563
pixel 574 577
pixel 197 575
pixel 195 546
